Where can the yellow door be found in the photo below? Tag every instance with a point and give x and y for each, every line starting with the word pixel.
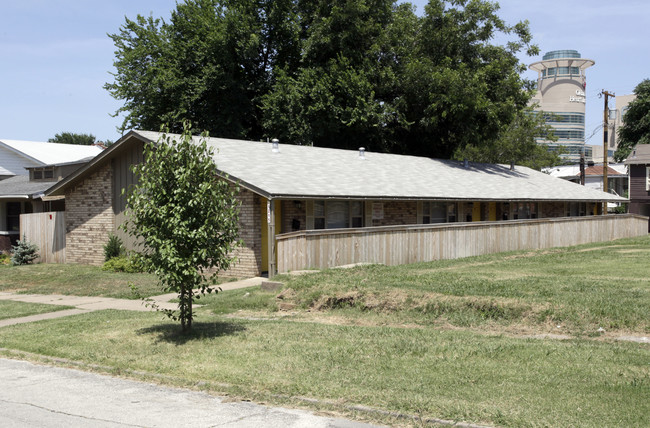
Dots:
pixel 265 230
pixel 476 212
pixel 492 211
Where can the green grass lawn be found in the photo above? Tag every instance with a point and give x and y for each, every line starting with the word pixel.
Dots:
pixel 448 339
pixel 77 280
pixel 11 309
pixel 427 372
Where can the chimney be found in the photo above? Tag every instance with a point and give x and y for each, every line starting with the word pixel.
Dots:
pixel 275 145
pixel 512 165
pixel 465 163
pixel 362 153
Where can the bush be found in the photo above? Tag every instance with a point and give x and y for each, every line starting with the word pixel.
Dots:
pixel 23 252
pixel 4 259
pixel 113 248
pixel 122 263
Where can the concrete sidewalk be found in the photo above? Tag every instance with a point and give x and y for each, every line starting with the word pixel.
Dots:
pixel 40 396
pixel 87 304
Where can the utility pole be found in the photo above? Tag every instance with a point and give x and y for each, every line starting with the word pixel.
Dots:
pixel 605 142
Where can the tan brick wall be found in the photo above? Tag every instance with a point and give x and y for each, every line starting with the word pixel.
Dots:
pixel 293 211
pixel 89 218
pixel 249 256
pixel 552 209
pixel 398 213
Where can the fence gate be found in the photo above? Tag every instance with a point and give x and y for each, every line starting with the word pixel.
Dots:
pixel 47 230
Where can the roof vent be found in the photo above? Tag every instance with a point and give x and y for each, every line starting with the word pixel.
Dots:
pixel 275 145
pixel 465 163
pixel 512 165
pixel 362 153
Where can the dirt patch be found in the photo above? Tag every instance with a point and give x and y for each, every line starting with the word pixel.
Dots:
pixel 287 294
pixel 532 254
pixel 586 250
pixel 545 331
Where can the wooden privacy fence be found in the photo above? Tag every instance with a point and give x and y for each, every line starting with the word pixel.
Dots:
pixel 394 245
pixel 47 230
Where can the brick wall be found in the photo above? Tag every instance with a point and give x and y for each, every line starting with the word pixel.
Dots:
pixel 552 209
pixel 249 256
pixel 293 214
pixel 398 213
pixel 6 242
pixel 89 218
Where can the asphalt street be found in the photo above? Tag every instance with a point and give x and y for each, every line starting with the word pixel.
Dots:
pixel 33 395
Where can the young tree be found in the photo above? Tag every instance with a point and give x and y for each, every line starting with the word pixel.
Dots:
pixel 73 138
pixel 636 128
pixel 184 218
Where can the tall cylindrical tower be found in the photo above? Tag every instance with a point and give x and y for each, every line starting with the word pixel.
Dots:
pixel 561 84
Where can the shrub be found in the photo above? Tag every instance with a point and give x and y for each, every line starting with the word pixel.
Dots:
pixel 4 259
pixel 23 252
pixel 113 248
pixel 122 263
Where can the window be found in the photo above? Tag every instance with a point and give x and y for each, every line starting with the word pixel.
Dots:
pixel 569 134
pixel 13 216
pixel 452 212
pixel 356 213
pixel 553 117
pixel 525 210
pixel 647 178
pixel 561 71
pixel 338 214
pixel 48 173
pixel 438 212
pixel 319 214
pixel 38 174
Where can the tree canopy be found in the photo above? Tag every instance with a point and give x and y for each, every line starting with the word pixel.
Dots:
pixel 73 138
pixel 636 122
pixel 330 73
pixel 184 217
pixel 517 143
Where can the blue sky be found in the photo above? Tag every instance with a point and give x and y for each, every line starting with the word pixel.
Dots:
pixel 55 56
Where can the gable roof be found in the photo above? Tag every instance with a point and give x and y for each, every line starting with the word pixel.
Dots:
pixel 640 155
pixel 49 153
pixel 315 172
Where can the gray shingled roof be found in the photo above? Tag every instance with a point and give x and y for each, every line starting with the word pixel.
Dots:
pixel 19 186
pixel 639 155
pixel 302 171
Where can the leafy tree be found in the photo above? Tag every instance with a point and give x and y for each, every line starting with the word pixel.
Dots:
pixel 517 144
pixel 636 127
pixel 332 73
pixel 73 138
pixel 184 218
pixel 209 64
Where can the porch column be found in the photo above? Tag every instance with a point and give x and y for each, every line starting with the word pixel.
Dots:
pixel 270 217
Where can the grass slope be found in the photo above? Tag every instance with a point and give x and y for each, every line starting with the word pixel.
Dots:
pixel 580 289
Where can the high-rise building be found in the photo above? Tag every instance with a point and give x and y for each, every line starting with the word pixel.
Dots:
pixel 561 84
